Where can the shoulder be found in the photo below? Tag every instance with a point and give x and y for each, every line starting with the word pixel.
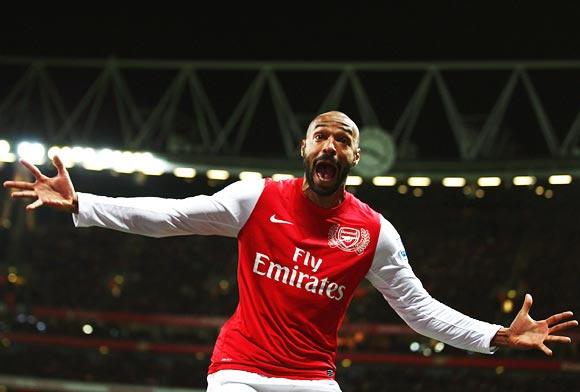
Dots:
pixel 286 184
pixel 362 208
pixel 240 190
pixel 388 231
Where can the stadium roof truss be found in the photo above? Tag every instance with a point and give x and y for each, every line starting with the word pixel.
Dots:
pixel 451 117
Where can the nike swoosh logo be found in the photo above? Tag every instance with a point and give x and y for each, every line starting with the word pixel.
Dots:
pixel 273 219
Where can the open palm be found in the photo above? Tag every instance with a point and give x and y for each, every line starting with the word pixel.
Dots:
pixel 57 192
pixel 526 332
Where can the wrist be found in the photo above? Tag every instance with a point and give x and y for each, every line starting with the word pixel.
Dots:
pixel 75 204
pixel 501 338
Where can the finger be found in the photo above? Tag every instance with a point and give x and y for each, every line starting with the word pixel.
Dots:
pixel 33 206
pixel 545 349
pixel 559 317
pixel 18 184
pixel 558 339
pixel 56 161
pixel 33 169
pixel 563 326
pixel 527 304
pixel 23 194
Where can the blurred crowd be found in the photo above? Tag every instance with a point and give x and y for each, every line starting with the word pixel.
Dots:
pixel 478 256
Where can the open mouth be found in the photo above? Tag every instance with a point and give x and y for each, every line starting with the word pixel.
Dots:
pixel 325 170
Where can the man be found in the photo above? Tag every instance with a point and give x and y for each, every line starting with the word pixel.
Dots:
pixel 304 245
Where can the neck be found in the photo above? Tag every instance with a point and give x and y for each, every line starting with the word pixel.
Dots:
pixel 329 201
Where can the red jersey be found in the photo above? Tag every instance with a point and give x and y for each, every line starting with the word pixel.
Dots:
pixel 298 267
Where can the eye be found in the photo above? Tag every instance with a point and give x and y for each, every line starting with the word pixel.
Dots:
pixel 318 136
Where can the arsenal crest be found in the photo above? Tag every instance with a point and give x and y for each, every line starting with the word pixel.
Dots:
pixel 348 239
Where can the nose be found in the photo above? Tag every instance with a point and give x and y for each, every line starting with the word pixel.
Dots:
pixel 329 147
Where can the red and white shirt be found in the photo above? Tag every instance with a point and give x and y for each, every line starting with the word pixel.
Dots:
pixel 298 267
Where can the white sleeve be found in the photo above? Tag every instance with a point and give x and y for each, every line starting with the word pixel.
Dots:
pixel 223 213
pixel 392 275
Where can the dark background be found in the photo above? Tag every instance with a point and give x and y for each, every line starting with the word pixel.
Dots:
pixel 412 31
pixel 461 247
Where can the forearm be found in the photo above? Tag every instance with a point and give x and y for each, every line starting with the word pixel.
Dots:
pixel 434 319
pixel 392 275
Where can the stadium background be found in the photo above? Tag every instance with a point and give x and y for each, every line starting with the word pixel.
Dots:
pixel 89 308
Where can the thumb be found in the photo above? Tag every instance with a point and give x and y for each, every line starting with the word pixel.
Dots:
pixel 527 304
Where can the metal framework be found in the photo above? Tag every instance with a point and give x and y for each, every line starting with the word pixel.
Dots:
pixel 255 114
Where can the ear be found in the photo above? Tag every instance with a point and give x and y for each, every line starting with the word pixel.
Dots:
pixel 356 157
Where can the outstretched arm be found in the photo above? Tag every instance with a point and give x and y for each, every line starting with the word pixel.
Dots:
pixel 527 333
pixel 223 213
pixel 392 275
pixel 57 192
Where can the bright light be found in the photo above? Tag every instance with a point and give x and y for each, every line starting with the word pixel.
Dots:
pixel 32 152
pixel 224 284
pixel 79 153
pixel 250 176
pixel 215 174
pixel 507 306
pixel 549 194
pixel 108 157
pixel 87 329
pixel 89 159
pixel 40 326
pixel 560 179
pixel 353 180
pixel 511 294
pixel 454 182
pixel 184 172
pixel 123 162
pixel 419 181
pixel 5 154
pixel 384 181
pixel 93 165
pixel 8 157
pixel 488 181
pixel 153 170
pixel 149 164
pixel 346 363
pixel 52 151
pixel 417 192
pixel 414 347
pixel 4 147
pixel 524 180
pixel 65 154
pixel 439 347
pixel 281 176
pixel 402 189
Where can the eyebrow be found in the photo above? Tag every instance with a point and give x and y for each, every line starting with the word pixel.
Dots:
pixel 344 127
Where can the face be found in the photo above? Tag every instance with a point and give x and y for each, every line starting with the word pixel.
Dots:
pixel 330 150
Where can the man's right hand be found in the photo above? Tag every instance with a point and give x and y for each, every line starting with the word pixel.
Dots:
pixel 56 192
